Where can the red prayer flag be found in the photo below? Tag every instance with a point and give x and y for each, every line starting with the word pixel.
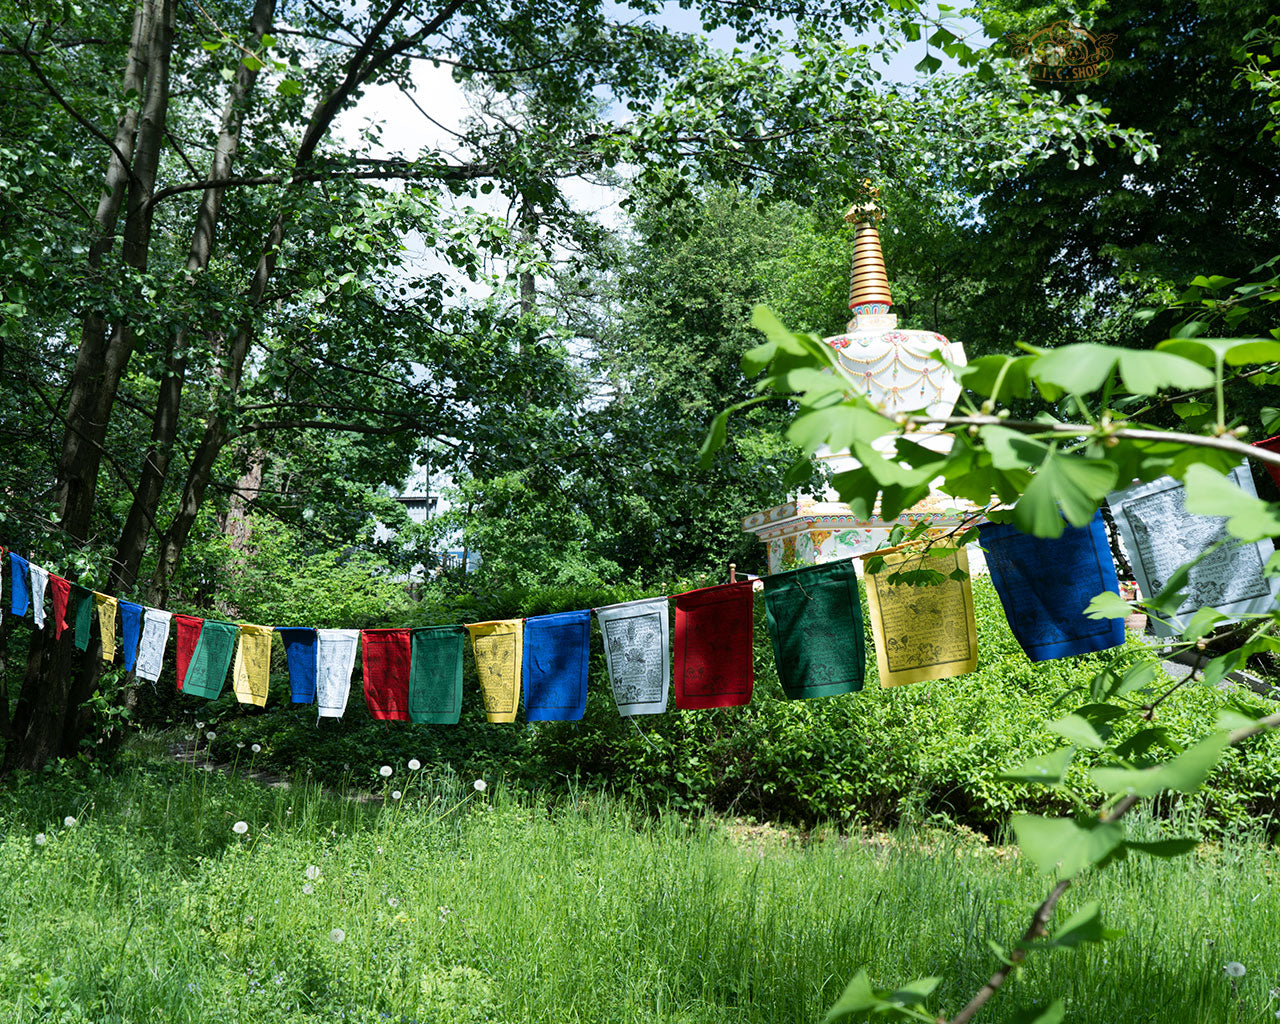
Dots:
pixel 61 591
pixel 187 631
pixel 1271 444
pixel 713 663
pixel 384 657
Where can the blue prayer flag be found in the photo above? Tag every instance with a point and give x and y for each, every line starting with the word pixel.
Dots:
pixel 131 616
pixel 300 651
pixel 20 597
pixel 1045 583
pixel 556 649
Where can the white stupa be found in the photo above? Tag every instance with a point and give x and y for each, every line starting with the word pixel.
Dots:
pixel 895 368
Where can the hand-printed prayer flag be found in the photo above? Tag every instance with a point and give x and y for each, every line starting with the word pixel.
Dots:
pixel 131 623
pixel 60 589
pixel 498 647
pixel 385 661
pixel 300 653
pixel 714 627
pixel 554 660
pixel 635 650
pixel 1160 536
pixel 335 659
pixel 106 606
pixel 251 674
pixel 19 591
pixel 1271 444
pixel 151 645
pixel 1044 584
pixel 187 629
pixel 922 631
pixel 84 615
pixel 39 584
pixel 435 675
pixel 815 622
pixel 207 672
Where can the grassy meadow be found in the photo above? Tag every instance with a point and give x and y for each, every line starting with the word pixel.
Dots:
pixel 454 905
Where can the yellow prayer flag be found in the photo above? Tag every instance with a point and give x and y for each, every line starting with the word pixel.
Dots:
pixel 499 647
pixel 252 671
pixel 106 607
pixel 922 632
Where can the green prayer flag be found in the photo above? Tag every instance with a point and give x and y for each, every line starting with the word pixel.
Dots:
pixel 815 622
pixel 83 598
pixel 435 675
pixel 210 660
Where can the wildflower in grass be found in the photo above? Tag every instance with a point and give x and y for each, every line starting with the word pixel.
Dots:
pixel 210 735
pixel 395 794
pixel 239 744
pixel 191 736
pixel 240 828
pixel 444 913
pixel 392 901
pixel 308 889
pixel 385 771
pixel 313 871
pixel 41 839
pixel 256 748
pixel 480 785
pixel 208 767
pixel 69 821
pixel 414 764
pixel 337 935
pixel 199 726
pixel 1234 969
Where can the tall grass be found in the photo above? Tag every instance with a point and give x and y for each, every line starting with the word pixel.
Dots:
pixel 460 906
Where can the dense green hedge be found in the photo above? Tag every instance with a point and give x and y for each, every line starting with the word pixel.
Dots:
pixel 929 751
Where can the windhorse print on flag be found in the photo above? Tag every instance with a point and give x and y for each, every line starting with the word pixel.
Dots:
pixel 498 647
pixel 435 674
pixel 251 674
pixel 1160 536
pixel 714 628
pixel 635 651
pixel 151 645
pixel 1045 583
pixel 554 669
pixel 923 630
pixel 385 664
pixel 815 623
pixel 335 661
pixel 207 671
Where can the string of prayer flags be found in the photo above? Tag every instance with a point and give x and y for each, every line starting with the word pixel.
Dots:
pixel 60 590
pixel 923 631
pixel 131 630
pixel 335 660
pixel 435 674
pixel 187 629
pixel 251 673
pixel 19 592
pixel 1161 535
pixel 39 584
pixel 815 622
pixel 1045 583
pixel 84 615
pixel 300 654
pixel 385 660
pixel 106 606
pixel 497 647
pixel 635 651
pixel 554 666
pixel 1271 444
pixel 713 656
pixel 151 645
pixel 207 671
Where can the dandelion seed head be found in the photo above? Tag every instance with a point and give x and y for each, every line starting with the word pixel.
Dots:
pixel 480 785
pixel 199 725
pixel 385 771
pixel 1234 969
pixel 69 821
pixel 208 767
pixel 256 748
pixel 392 901
pixel 337 935
pixel 395 794
pixel 210 735
pixel 191 736
pixel 239 744
pixel 308 889
pixel 414 764
pixel 41 839
pixel 240 828
pixel 313 871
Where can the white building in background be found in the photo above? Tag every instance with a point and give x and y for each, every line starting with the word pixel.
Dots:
pixel 423 498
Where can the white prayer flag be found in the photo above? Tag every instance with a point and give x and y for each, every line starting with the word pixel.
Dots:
pixel 152 642
pixel 637 652
pixel 335 658
pixel 39 581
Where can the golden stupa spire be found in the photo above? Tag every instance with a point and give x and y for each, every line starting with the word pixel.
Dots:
pixel 869 287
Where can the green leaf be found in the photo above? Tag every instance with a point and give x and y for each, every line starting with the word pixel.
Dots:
pixel 929 64
pixel 1209 493
pixel 1085 367
pixel 1165 847
pixel 252 62
pixel 1085 925
pixel 1108 605
pixel 1074 484
pixel 1232 351
pixel 1054 1013
pixel 288 87
pixel 1270 419
pixel 1061 844
pixel 1048 768
pixel 1111 683
pixel 1147 373
pixel 1183 774
pixel 860 997
pixel 1144 740
pixel 268 40
pixel 1202 622
pixel 1078 730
